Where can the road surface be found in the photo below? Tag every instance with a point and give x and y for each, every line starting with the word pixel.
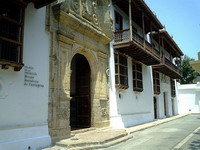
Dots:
pixel 180 134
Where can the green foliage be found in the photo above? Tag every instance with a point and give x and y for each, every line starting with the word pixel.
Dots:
pixel 189 74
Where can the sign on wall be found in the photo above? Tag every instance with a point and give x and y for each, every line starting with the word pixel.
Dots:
pixel 31 77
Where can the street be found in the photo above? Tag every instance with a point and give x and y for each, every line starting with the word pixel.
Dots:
pixel 177 135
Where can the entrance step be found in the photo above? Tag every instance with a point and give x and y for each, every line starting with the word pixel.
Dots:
pixel 78 131
pixel 92 140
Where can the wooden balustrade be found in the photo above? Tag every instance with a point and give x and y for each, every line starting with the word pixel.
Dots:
pixel 172 66
pixel 137 38
pixel 124 36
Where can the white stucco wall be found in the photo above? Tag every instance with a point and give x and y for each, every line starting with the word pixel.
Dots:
pixel 165 86
pixel 189 98
pixel 24 108
pixel 129 108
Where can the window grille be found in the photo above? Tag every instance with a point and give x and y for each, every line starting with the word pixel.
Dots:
pixel 137 77
pixel 121 70
pixel 156 82
pixel 11 34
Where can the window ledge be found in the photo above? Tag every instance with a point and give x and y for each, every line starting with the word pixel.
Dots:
pixel 157 93
pixel 137 89
pixel 5 64
pixel 119 86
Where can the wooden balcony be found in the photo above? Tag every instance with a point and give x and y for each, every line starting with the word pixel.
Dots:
pixel 137 47
pixel 169 69
pixel 42 3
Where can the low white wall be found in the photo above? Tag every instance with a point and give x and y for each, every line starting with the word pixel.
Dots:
pixel 189 98
pixel 24 94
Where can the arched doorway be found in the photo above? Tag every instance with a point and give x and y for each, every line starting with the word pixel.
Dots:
pixel 80 104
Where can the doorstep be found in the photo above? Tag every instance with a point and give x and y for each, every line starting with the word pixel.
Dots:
pixel 96 139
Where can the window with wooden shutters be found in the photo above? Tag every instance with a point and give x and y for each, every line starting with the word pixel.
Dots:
pixel 173 89
pixel 11 34
pixel 156 82
pixel 121 71
pixel 137 77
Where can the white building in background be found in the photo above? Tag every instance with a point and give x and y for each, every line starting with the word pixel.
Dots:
pixel 24 75
pixel 189 98
pixel 189 94
pixel 142 66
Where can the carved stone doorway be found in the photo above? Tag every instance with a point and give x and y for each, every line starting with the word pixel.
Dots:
pixel 80 104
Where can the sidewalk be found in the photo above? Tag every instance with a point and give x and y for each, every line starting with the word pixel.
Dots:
pixel 102 138
pixel 154 123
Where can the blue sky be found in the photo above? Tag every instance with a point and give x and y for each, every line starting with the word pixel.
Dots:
pixel 182 20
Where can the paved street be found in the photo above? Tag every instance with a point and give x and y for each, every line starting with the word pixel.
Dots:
pixel 193 143
pixel 166 136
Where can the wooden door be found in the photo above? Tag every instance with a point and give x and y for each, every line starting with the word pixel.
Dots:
pixel 173 112
pixel 80 106
pixel 83 93
pixel 165 104
pixel 155 108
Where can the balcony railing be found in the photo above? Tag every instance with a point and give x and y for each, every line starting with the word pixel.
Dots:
pixel 172 66
pixel 123 36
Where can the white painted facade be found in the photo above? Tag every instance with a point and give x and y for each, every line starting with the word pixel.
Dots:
pixel 129 108
pixel 189 98
pixel 165 93
pixel 24 108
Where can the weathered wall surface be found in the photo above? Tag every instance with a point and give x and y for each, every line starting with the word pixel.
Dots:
pixel 78 27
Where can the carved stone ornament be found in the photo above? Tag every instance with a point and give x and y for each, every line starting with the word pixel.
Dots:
pixel 87 9
pixel 94 17
pixel 75 6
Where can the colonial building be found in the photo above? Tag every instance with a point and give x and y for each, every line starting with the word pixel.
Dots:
pixel 140 93
pixel 61 72
pixel 164 75
pixel 24 74
pixel 78 94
